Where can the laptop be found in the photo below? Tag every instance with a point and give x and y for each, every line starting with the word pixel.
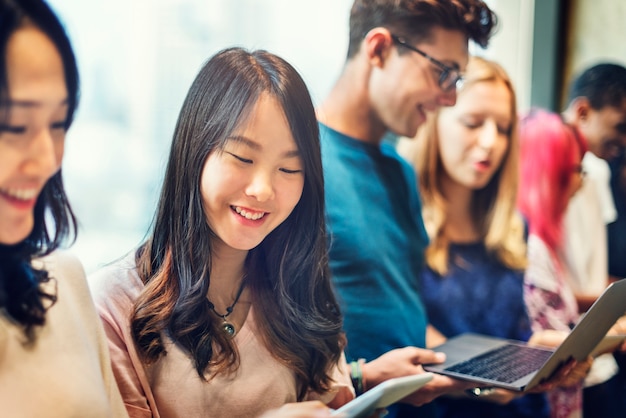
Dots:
pixel 382 396
pixel 514 365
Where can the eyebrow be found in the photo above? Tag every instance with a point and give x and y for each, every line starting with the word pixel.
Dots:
pixel 28 103
pixel 257 147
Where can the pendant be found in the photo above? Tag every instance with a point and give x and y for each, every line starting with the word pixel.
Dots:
pixel 229 329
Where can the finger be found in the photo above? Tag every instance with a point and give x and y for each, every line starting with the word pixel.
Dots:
pixel 573 373
pixel 425 356
pixel 438 386
pixel 567 368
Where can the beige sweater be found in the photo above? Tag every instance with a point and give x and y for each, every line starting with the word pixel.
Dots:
pixel 67 371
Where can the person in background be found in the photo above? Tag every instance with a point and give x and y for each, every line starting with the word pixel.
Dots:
pixel 405 59
pixel 54 360
pixel 616 231
pixel 227 309
pixel 551 173
pixel 597 107
pixel 466 158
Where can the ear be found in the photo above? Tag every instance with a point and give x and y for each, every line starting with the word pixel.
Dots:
pixel 377 46
pixel 581 108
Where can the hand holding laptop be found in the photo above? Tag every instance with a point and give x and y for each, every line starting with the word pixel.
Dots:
pixel 614 340
pixel 550 338
pixel 569 374
pixel 408 361
pixel 619 329
pixel 572 372
pixel 502 363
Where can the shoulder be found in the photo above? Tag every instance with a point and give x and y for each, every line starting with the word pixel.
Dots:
pixel 116 283
pixel 62 263
pixel 390 151
pixel 596 167
pixel 66 270
pixel 68 281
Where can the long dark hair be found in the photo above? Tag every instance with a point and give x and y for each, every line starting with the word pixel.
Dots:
pixel 288 272
pixel 21 293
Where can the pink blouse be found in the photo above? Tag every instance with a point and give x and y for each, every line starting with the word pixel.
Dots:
pixel 171 387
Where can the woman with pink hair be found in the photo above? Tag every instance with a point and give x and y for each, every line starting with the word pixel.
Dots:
pixel 551 173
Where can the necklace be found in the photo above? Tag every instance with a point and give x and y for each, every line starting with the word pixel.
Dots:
pixel 228 327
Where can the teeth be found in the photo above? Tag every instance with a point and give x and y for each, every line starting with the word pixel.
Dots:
pixel 21 194
pixel 248 215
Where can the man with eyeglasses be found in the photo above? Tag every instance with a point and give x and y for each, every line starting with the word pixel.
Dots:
pixel 405 59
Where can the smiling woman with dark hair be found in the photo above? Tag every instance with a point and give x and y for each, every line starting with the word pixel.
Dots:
pixel 53 356
pixel 227 308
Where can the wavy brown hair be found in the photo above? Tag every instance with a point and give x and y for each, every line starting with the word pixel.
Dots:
pixel 298 316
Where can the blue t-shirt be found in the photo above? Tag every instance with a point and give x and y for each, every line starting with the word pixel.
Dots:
pixel 480 295
pixel 376 246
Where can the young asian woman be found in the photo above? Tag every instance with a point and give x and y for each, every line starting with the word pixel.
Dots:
pixel 54 360
pixel 227 308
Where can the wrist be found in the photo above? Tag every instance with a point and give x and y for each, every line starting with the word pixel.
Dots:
pixel 356 376
pixel 480 392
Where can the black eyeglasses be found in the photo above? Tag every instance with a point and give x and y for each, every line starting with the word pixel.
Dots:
pixel 450 78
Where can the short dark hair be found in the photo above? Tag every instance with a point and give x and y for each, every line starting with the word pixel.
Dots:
pixel 603 85
pixel 20 292
pixel 415 19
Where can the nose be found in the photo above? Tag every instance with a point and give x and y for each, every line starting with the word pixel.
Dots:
pixel 447 98
pixel 488 135
pixel 45 153
pixel 261 186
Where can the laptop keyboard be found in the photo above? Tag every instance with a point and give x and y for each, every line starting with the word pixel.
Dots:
pixel 507 363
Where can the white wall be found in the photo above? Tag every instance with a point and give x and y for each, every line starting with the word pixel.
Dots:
pixel 511 46
pixel 137 59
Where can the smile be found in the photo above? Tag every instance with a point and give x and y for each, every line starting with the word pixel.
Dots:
pixel 248 214
pixel 20 194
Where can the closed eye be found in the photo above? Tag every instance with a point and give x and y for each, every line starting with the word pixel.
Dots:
pixel 472 124
pixel 12 129
pixel 243 160
pixel 504 130
pixel 285 170
pixel 440 73
pixel 58 125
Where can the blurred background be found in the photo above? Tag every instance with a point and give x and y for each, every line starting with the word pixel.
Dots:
pixel 137 58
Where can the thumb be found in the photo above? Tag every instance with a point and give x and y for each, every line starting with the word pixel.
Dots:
pixel 424 356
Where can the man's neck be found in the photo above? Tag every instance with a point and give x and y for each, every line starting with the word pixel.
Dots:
pixel 347 107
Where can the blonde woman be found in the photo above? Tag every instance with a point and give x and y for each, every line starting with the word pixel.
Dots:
pixel 466 157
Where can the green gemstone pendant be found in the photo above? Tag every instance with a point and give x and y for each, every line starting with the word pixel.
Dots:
pixel 229 329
